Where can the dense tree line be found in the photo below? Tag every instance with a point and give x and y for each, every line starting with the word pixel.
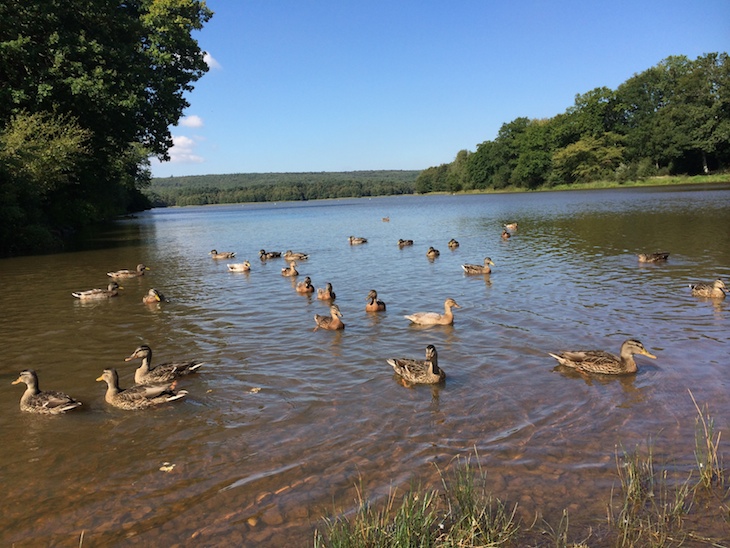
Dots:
pixel 88 91
pixel 278 187
pixel 673 118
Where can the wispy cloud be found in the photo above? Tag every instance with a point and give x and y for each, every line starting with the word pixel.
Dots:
pixel 183 151
pixel 192 121
pixel 211 62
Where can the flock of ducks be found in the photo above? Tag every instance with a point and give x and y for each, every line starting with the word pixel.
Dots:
pixel 155 385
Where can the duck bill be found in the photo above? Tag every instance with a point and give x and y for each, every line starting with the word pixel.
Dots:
pixel 648 354
pixel 17 381
pixel 99 379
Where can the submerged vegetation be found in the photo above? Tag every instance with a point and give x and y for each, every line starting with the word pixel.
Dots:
pixel 649 507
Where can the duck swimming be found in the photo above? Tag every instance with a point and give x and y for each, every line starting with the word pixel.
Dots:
pixel 434 318
pixel 245 266
pixel 290 270
pixel 453 244
pixel 112 290
pixel 326 293
pixel 139 271
pixel 290 255
pixel 165 372
pixel 419 371
pixel 511 226
pixel 305 286
pixel 404 243
pixel 357 241
pixel 658 257
pixel 606 363
pixel 153 296
pixel 222 254
pixel 373 304
pixel 478 268
pixel 332 322
pixel 715 290
pixel 432 253
pixel 44 403
pixel 139 396
pixel 264 255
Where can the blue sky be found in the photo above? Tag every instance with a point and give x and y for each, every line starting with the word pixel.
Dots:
pixel 342 86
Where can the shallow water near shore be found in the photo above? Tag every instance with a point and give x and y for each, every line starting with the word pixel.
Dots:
pixel 282 423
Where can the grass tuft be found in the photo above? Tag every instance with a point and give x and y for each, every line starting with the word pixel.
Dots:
pixel 707 446
pixel 649 509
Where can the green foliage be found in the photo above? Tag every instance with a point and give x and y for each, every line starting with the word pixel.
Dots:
pixel 42 150
pixel 672 118
pixel 277 187
pixel 103 81
pixel 38 155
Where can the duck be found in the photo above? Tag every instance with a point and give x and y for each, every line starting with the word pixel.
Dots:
pixel 357 241
pixel 290 255
pixel 373 304
pixel 404 243
pixel 434 318
pixel 139 271
pixel 44 403
pixel 506 235
pixel 265 255
pixel 222 254
pixel 478 268
pixel 715 290
pixel 419 371
pixel 606 363
pixel 139 396
pixel 245 266
pixel 332 322
pixel 305 286
pixel 112 290
pixel 453 244
pixel 511 226
pixel 658 257
pixel 154 296
pixel 290 270
pixel 432 253
pixel 165 372
pixel 326 293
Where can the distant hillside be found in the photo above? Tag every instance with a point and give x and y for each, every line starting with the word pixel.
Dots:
pixel 276 187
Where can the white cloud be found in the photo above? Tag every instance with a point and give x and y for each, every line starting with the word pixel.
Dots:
pixel 211 62
pixel 192 121
pixel 183 151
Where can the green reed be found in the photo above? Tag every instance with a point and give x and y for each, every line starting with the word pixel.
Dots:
pixel 649 508
pixel 709 461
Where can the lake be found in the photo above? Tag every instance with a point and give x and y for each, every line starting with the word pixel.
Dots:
pixel 283 424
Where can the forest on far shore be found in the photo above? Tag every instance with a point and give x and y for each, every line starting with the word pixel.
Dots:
pixel 672 119
pixel 278 187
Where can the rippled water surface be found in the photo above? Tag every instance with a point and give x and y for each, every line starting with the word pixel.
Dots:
pixel 283 422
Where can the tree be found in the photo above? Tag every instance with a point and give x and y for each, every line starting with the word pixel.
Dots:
pixel 589 159
pixel 120 70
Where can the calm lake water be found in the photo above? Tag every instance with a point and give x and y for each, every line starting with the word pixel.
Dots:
pixel 282 423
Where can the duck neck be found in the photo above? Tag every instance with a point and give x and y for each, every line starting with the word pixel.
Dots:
pixel 629 365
